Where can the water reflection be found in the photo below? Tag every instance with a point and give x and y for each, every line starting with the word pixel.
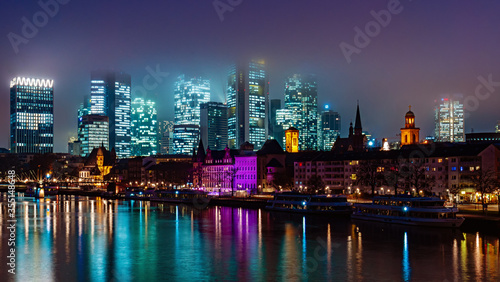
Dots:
pixel 80 238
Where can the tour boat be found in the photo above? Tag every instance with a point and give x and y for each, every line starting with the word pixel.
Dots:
pixel 185 196
pixel 304 203
pixel 37 192
pixel 423 211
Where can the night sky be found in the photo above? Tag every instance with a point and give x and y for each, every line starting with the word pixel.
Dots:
pixel 428 49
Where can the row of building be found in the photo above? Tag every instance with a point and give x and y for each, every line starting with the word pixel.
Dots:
pixel 109 117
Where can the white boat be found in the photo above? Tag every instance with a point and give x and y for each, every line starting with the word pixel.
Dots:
pixel 423 211
pixel 304 203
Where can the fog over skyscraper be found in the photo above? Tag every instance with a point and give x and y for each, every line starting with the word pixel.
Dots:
pixel 248 99
pixel 189 93
pixel 110 96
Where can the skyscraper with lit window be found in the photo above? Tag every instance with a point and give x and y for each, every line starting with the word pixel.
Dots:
pixel 449 120
pixel 31 115
pixel 247 100
pixel 329 128
pixel 188 95
pixel 110 96
pixel 144 128
pixel 166 137
pixel 213 126
pixel 93 132
pixel 186 138
pixel 301 109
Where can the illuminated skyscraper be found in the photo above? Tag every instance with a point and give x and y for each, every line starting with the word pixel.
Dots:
pixel 166 137
pixel 31 115
pixel 93 133
pixel 110 96
pixel 329 128
pixel 301 109
pixel 275 131
pixel 188 95
pixel 247 100
pixel 213 125
pixel 144 128
pixel 449 117
pixel 186 138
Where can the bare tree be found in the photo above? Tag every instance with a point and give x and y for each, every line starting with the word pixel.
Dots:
pixel 315 184
pixel 415 175
pixel 369 173
pixel 485 181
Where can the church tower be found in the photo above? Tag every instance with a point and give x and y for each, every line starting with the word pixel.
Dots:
pixel 409 134
pixel 292 140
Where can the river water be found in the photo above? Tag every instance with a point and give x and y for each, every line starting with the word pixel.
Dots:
pixel 71 238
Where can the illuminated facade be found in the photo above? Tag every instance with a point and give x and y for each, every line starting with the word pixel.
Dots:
pixel 292 140
pixel 188 95
pixel 93 132
pixel 166 137
pixel 497 127
pixel 409 134
pixel 186 138
pixel 449 119
pixel 144 128
pixel 31 115
pixel 110 96
pixel 213 125
pixel 301 101
pixel 329 129
pixel 247 100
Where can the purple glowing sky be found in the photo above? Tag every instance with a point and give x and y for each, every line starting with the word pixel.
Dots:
pixel 428 49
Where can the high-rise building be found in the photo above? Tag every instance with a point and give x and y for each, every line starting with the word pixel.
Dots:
pixel 497 127
pixel 110 96
pixel 409 134
pixel 186 138
pixel 83 110
pixel 449 118
pixel 74 146
pixel 166 137
pixel 329 128
pixel 31 115
pixel 188 95
pixel 144 128
pixel 93 133
pixel 301 109
pixel 247 100
pixel 213 125
pixel 275 131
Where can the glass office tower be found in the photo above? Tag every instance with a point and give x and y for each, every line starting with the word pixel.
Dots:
pixel 144 128
pixel 31 115
pixel 247 100
pixel 110 96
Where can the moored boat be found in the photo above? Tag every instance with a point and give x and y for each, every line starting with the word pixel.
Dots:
pixel 304 203
pixel 423 211
pixel 185 196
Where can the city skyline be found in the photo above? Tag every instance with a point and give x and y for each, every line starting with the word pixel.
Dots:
pixel 408 62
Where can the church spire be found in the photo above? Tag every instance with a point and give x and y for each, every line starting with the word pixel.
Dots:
pixel 357 126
